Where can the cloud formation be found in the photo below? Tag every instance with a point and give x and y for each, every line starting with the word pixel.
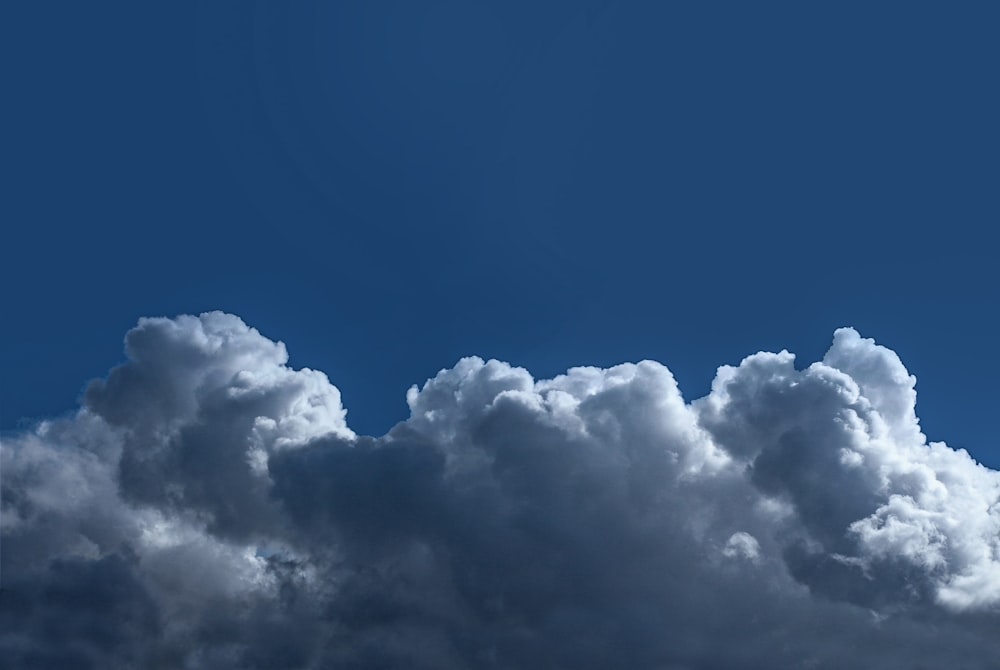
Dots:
pixel 209 507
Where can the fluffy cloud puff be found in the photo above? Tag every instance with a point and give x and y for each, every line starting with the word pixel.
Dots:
pixel 209 507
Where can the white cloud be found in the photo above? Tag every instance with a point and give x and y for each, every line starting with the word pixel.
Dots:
pixel 212 507
pixel 742 545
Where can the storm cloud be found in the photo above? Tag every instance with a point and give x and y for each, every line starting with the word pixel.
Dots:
pixel 209 507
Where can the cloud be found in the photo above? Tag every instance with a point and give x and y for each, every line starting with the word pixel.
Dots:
pixel 209 507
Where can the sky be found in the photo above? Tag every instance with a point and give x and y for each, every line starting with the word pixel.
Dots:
pixel 382 198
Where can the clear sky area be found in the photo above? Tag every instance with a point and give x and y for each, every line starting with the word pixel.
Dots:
pixel 423 214
pixel 389 186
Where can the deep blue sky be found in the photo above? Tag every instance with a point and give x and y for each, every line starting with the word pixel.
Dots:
pixel 387 186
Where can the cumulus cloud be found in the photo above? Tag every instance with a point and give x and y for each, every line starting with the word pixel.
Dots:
pixel 209 507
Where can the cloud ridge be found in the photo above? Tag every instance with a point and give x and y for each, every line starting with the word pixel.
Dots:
pixel 209 507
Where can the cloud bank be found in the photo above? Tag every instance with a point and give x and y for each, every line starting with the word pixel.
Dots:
pixel 209 507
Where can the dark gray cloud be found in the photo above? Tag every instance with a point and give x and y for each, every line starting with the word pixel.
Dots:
pixel 208 507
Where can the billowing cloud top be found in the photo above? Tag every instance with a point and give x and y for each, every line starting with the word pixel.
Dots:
pixel 209 507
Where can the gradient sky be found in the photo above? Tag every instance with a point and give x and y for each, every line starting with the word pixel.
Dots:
pixel 339 215
pixel 389 186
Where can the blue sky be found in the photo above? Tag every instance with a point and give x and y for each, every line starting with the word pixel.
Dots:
pixel 372 236
pixel 389 186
